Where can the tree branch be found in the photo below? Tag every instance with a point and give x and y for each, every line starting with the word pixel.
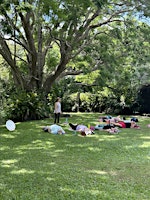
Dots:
pixel 110 19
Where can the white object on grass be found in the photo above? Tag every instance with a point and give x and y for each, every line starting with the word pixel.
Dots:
pixel 10 125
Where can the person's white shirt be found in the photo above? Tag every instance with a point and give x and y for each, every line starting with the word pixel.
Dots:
pixel 57 107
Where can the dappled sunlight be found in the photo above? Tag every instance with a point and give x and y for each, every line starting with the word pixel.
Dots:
pixel 101 140
pixel 37 144
pixel 8 136
pixel 43 143
pixel 94 192
pixel 30 147
pixel 38 126
pixel 91 193
pixel 15 132
pixel 144 118
pixel 51 163
pixel 100 172
pixel 34 145
pixel 50 179
pixel 98 136
pixel 19 151
pixel 145 144
pixel 8 163
pixel 59 151
pixel 3 148
pixel 145 137
pixel 112 137
pixel 71 190
pixel 101 136
pixel 94 149
pixel 22 171
pixel 48 166
pixel 108 137
pixel 54 155
pixel 113 173
pixel 78 145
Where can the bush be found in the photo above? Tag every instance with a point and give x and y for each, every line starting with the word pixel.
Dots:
pixel 22 106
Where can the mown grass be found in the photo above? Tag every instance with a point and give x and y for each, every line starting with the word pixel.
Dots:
pixel 35 165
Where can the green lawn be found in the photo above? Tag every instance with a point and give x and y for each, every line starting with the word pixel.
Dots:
pixel 35 165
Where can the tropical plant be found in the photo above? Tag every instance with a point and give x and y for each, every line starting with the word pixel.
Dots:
pixel 22 105
pixel 32 31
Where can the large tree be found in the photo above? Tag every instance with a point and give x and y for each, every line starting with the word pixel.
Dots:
pixel 35 28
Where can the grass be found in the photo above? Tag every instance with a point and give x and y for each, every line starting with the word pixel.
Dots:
pixel 35 165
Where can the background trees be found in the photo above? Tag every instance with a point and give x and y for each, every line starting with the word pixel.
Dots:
pixel 43 41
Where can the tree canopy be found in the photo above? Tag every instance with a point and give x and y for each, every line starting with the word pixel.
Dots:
pixel 42 41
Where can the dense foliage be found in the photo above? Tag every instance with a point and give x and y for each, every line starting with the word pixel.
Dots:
pixel 21 105
pixel 104 45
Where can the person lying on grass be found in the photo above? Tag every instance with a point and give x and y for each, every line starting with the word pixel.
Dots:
pixel 125 124
pixel 104 126
pixel 110 118
pixel 116 119
pixel 84 130
pixel 54 129
pixel 116 122
pixel 110 128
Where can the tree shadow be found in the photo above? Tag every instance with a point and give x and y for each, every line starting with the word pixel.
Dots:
pixel 39 165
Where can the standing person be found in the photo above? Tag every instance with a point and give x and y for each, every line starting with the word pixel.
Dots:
pixel 57 110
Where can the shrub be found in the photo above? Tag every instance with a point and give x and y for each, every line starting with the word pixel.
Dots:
pixel 22 106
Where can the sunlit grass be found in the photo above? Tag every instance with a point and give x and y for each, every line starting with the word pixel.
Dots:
pixel 35 165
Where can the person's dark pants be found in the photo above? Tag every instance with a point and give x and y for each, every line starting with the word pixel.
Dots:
pixel 108 126
pixel 73 126
pixel 57 116
pixel 128 125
